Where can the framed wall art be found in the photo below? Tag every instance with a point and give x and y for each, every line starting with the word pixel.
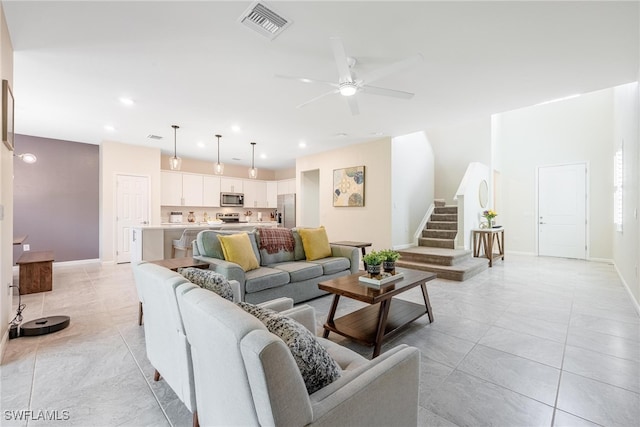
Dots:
pixel 348 187
pixel 7 115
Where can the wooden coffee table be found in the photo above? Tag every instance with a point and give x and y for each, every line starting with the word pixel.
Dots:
pixel 385 315
pixel 174 264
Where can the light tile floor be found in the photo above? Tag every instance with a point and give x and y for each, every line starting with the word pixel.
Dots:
pixel 530 342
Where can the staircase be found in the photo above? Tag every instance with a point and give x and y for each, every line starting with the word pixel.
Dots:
pixel 436 251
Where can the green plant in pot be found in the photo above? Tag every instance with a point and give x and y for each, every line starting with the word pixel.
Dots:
pixel 389 259
pixel 373 260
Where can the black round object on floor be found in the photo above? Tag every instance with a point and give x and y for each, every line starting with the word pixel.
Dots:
pixel 44 325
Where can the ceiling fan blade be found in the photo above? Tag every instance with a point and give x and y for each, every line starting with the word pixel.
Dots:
pixel 392 68
pixel 318 97
pixel 305 80
pixel 341 60
pixel 386 92
pixel 353 105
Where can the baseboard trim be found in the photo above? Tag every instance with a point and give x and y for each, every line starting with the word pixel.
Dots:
pixel 405 246
pixel 606 260
pixel 76 262
pixel 108 263
pixel 520 253
pixel 635 303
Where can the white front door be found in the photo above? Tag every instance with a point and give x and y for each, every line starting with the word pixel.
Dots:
pixel 132 209
pixel 562 208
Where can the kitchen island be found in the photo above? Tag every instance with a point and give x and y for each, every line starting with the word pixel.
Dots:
pixel 153 242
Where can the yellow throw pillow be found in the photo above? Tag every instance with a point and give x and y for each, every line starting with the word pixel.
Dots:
pixel 237 248
pixel 315 243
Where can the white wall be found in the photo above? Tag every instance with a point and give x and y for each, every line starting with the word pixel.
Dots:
pixel 308 198
pixel 570 131
pixel 454 147
pixel 6 196
pixel 412 188
pixel 117 158
pixel 370 223
pixel 626 128
pixel 468 201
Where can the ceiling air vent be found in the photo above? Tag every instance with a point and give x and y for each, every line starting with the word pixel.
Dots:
pixel 154 136
pixel 264 20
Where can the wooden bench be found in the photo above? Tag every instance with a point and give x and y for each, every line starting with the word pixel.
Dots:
pixel 36 272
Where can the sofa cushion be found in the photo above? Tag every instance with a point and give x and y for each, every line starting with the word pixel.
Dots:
pixel 333 264
pixel 275 245
pixel 264 278
pixel 237 248
pixel 208 279
pixel 299 270
pixel 298 249
pixel 317 367
pixel 209 244
pixel 315 243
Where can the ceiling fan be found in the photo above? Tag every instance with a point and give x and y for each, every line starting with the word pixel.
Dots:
pixel 349 84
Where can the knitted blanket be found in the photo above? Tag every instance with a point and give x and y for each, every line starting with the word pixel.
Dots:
pixel 273 240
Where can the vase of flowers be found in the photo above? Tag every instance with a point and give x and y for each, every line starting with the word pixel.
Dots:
pixel 489 215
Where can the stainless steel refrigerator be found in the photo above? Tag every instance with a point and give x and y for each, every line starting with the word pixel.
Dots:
pixel 286 214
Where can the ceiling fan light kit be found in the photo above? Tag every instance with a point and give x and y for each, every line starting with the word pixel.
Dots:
pixel 348 85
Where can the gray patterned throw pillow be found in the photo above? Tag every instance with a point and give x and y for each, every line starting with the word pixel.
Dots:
pixel 316 365
pixel 208 279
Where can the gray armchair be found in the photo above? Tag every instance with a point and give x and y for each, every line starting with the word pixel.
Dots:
pixel 244 375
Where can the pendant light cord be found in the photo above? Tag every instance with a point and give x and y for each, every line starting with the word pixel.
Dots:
pixel 175 131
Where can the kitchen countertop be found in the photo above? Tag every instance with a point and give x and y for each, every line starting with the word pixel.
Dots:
pixel 204 225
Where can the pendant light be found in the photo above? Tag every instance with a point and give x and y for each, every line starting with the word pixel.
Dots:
pixel 253 172
pixel 175 162
pixel 218 168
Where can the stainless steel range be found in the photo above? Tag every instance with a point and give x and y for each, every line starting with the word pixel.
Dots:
pixel 228 217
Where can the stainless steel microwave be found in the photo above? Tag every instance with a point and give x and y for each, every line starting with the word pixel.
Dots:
pixel 231 199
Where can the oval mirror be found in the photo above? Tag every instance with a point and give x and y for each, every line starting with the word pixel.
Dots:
pixel 484 194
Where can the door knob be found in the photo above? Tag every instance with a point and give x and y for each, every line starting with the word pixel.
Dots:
pixel 542 222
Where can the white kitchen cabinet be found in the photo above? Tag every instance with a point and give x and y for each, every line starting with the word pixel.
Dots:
pixel 211 191
pixel 170 188
pixel 191 189
pixel 287 186
pixel 231 185
pixel 272 194
pixel 255 193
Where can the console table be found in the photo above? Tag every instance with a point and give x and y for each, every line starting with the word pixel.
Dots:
pixel 485 238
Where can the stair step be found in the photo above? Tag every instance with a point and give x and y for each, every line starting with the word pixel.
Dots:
pixel 459 272
pixel 442 225
pixel 430 255
pixel 439 202
pixel 439 234
pixel 446 210
pixel 436 243
pixel 444 217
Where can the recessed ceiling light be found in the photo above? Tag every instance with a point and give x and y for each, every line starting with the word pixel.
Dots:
pixel 302 144
pixel 201 144
pixel 235 158
pixel 127 101
pixel 109 128
pixel 377 133
pixel 263 156
pixel 341 135
pixel 235 128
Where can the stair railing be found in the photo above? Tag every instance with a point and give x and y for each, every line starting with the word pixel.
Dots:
pixel 423 225
pixel 468 199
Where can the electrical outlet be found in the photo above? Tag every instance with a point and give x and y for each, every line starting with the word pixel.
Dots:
pixel 26 248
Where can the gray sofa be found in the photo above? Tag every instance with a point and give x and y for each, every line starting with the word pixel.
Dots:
pixel 286 273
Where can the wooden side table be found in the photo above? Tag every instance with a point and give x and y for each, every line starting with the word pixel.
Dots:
pixel 36 271
pixel 353 244
pixel 174 264
pixel 484 238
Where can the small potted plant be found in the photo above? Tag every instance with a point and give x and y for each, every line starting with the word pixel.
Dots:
pixel 389 259
pixel 373 260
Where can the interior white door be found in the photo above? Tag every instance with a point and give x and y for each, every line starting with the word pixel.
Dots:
pixel 562 208
pixel 132 209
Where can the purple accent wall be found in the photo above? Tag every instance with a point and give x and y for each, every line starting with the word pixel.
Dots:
pixel 56 199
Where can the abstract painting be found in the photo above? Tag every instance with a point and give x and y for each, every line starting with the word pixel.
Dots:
pixel 348 187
